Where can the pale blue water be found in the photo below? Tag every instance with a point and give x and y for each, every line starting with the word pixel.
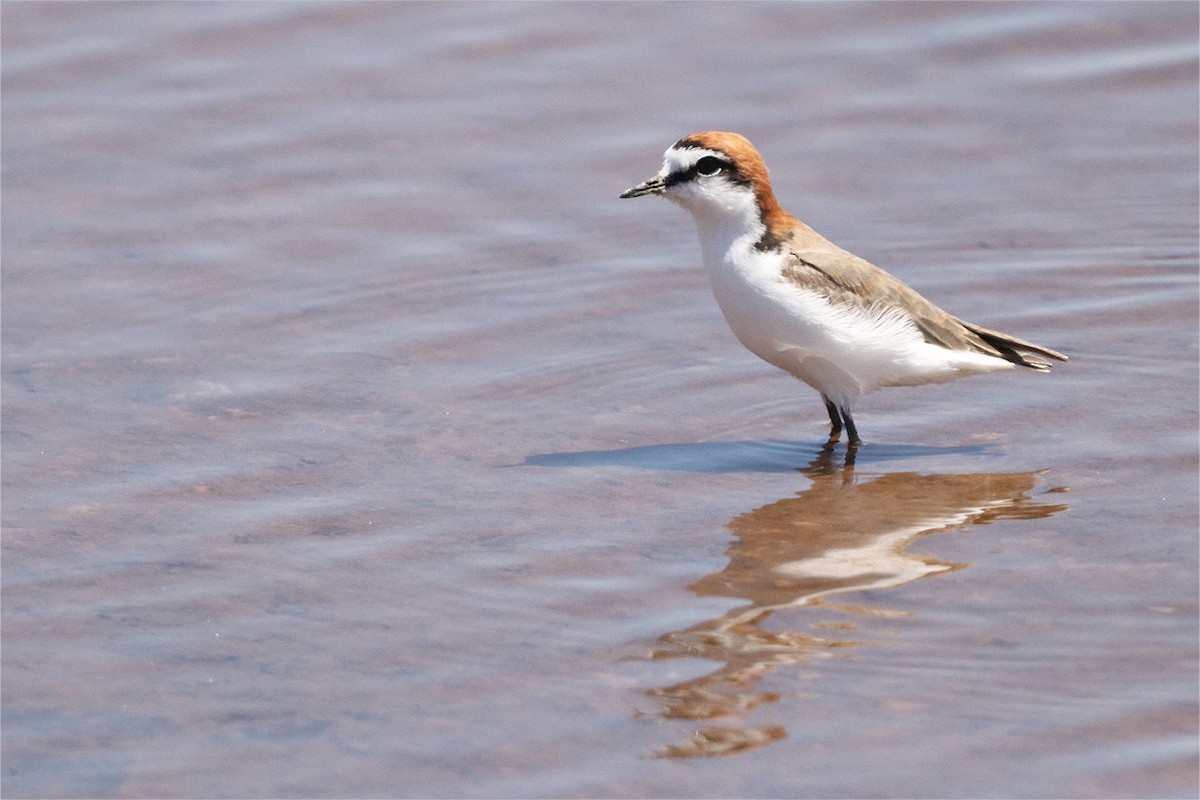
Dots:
pixel 358 441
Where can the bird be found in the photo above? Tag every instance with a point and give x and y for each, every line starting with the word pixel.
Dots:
pixel 801 303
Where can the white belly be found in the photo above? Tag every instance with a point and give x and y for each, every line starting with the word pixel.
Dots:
pixel 841 351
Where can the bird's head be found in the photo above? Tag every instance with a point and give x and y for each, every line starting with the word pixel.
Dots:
pixel 716 176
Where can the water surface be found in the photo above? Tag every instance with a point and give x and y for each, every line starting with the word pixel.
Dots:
pixel 358 441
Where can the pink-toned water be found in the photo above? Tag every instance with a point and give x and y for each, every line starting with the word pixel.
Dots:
pixel 358 441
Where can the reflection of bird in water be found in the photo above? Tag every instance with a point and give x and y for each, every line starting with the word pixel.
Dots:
pixel 845 533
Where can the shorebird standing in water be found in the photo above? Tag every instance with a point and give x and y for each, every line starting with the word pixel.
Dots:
pixel 796 300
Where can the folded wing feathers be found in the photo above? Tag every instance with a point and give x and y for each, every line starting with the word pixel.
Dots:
pixel 848 279
pixel 1013 349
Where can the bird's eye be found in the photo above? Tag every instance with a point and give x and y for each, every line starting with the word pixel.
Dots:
pixel 709 166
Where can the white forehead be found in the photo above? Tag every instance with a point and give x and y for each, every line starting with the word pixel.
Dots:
pixel 681 159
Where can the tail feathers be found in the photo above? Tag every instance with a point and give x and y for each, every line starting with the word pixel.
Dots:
pixel 1018 351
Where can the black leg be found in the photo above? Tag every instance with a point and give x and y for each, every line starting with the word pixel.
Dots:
pixel 851 430
pixel 835 417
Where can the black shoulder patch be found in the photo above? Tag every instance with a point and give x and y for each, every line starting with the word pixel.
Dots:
pixel 768 242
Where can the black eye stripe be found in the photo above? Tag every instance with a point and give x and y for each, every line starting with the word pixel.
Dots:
pixel 707 167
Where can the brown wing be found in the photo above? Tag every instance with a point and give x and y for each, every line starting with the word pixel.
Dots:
pixel 1013 349
pixel 846 278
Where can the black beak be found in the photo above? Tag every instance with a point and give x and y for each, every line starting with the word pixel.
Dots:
pixel 655 185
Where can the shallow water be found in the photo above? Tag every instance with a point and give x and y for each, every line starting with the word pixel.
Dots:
pixel 358 441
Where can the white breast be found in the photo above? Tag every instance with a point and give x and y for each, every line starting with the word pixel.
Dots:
pixel 841 351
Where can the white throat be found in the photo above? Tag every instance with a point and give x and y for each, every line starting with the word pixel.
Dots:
pixel 726 240
pixel 727 219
